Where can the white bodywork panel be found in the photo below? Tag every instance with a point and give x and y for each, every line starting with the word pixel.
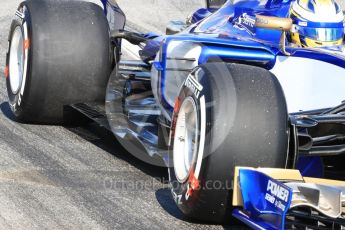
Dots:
pixel 310 84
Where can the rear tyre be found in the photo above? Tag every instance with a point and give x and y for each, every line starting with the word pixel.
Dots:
pixel 59 54
pixel 226 115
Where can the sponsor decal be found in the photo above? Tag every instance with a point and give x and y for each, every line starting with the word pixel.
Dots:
pixel 303 23
pixel 20 14
pixel 278 191
pixel 177 198
pixel 193 85
pixel 27 44
pixel 245 22
pixel 277 195
pixel 193 185
pixel 6 71
pixel 177 105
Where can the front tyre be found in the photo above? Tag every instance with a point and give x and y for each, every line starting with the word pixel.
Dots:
pixel 17 60
pixel 226 115
pixel 59 54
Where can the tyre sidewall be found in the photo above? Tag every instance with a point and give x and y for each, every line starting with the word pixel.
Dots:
pixel 187 194
pixel 18 100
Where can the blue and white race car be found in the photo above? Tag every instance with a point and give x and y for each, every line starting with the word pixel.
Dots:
pixel 253 83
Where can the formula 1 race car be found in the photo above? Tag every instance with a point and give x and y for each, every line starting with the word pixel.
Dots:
pixel 254 83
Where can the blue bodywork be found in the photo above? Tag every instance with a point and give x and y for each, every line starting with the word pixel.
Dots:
pixel 265 200
pixel 215 48
pixel 221 36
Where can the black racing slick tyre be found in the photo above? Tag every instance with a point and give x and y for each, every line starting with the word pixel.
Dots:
pixel 226 115
pixel 59 54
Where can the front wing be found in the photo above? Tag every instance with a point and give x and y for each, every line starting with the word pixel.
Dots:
pixel 283 199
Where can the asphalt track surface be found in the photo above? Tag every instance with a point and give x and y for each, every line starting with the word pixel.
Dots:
pixel 54 177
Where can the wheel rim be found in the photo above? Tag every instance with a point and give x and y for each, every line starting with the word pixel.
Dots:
pixel 185 140
pixel 16 65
